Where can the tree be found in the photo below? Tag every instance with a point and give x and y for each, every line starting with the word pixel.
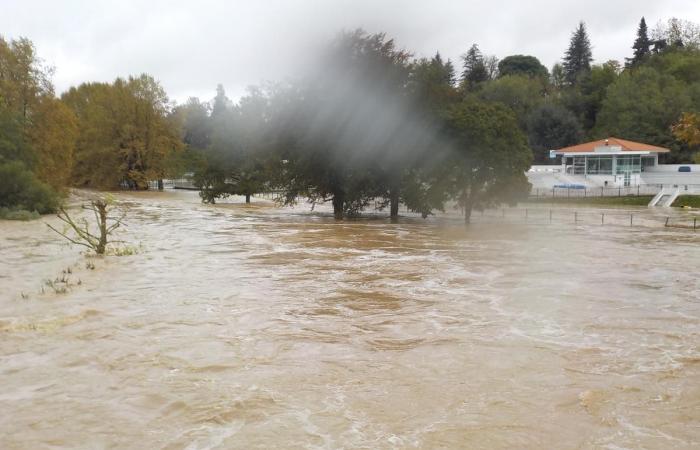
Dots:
pixel 528 66
pixel 519 93
pixel 343 138
pixel 54 140
pixel 489 156
pixel 687 130
pixel 558 78
pixel 126 135
pixel 593 90
pixel 475 70
pixel 578 57
pixel 235 157
pixel 676 33
pixel 82 235
pixel 642 105
pixel 21 190
pixel 37 133
pixel 642 45
pixel 551 127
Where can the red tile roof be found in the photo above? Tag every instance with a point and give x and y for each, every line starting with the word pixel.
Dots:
pixel 628 146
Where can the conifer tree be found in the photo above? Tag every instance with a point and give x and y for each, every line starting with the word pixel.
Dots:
pixel 578 57
pixel 641 45
pixel 475 70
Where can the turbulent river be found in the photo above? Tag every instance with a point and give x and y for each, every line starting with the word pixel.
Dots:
pixel 256 327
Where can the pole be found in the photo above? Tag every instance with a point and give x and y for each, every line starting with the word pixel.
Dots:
pixel 631 215
pixel 666 224
pixel 602 218
pixel 695 222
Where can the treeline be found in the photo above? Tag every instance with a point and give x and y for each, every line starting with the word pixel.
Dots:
pixel 368 123
pixel 97 135
pixel 371 122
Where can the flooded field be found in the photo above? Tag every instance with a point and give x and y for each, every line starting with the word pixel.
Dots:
pixel 254 327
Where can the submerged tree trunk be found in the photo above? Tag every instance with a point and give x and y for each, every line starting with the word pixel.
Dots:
pixel 247 198
pixel 338 205
pixel 101 207
pixel 394 203
pixel 468 204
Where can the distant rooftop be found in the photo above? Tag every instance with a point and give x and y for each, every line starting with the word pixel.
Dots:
pixel 615 144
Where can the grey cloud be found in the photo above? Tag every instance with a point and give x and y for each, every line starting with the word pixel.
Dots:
pixel 191 46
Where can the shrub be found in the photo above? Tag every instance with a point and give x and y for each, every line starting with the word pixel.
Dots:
pixel 21 190
pixel 18 214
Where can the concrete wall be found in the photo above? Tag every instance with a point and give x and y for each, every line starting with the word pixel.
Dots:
pixel 673 168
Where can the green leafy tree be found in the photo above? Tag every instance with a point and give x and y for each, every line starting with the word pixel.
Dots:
pixel 21 190
pixel 578 57
pixel 489 156
pixel 340 137
pixel 552 127
pixel 522 65
pixel 519 93
pixel 642 105
pixel 236 158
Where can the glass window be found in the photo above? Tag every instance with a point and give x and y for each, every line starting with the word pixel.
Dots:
pixel 599 165
pixel 629 164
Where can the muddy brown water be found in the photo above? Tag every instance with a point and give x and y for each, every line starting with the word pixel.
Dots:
pixel 255 327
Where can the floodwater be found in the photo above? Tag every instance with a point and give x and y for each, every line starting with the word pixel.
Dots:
pixel 255 327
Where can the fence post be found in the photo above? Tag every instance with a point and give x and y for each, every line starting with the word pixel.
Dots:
pixel 550 216
pixel 631 215
pixel 601 192
pixel 584 192
pixel 619 192
pixel 666 224
pixel 695 222
pixel 637 190
pixel 602 218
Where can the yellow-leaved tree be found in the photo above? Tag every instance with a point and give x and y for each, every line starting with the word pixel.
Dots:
pixel 688 130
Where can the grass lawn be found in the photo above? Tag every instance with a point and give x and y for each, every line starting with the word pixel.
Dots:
pixel 688 200
pixel 642 200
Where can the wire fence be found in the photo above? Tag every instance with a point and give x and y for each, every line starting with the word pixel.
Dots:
pixel 545 216
pixel 590 192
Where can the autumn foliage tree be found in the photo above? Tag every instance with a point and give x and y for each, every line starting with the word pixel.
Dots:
pixel 126 137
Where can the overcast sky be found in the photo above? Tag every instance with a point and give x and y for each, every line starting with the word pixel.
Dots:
pixel 191 46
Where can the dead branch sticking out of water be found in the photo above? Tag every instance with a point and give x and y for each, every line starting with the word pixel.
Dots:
pixel 83 236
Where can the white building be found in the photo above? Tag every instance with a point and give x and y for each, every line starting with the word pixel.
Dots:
pixel 610 162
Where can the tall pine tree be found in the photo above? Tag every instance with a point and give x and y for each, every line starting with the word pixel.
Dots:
pixel 475 70
pixel 642 45
pixel 578 57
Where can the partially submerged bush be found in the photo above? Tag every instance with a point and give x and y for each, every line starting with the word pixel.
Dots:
pixel 82 235
pixel 21 190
